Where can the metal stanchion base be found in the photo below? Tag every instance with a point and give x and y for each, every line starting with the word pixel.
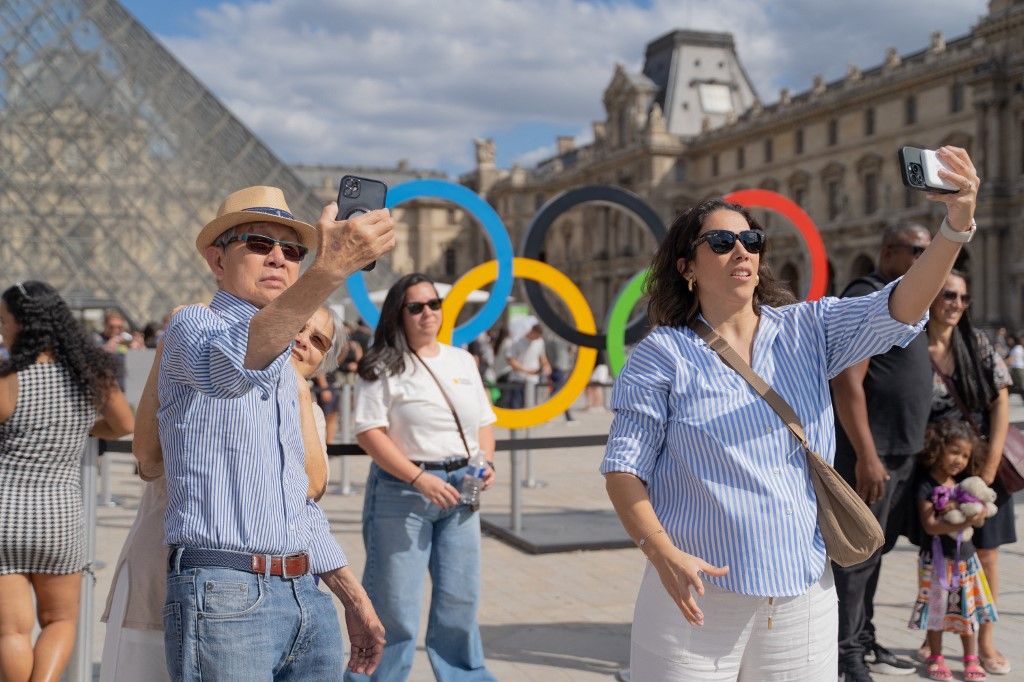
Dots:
pixel 561 531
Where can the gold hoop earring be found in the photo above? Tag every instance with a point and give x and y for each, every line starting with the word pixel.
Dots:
pixel 690 284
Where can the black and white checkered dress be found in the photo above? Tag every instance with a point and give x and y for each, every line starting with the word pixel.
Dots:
pixel 41 528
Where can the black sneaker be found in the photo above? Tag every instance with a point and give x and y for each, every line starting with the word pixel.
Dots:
pixel 884 662
pixel 856 672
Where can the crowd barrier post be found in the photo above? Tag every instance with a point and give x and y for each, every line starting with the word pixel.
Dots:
pixel 531 401
pixel 514 487
pixel 80 666
pixel 106 495
pixel 346 435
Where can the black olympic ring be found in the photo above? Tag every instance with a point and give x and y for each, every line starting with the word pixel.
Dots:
pixel 533 243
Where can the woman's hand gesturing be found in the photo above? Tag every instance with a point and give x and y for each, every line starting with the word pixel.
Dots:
pixel 437 490
pixel 679 572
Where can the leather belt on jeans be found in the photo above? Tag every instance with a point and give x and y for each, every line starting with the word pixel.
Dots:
pixel 447 465
pixel 286 566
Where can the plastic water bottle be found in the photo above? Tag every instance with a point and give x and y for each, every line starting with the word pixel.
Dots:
pixel 473 483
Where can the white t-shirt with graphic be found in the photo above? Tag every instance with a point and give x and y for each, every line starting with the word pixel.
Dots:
pixel 410 406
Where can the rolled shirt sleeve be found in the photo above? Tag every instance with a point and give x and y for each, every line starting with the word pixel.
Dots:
pixel 205 353
pixel 640 403
pixel 859 327
pixel 371 405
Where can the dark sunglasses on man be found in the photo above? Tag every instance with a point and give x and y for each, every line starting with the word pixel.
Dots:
pixel 913 248
pixel 416 307
pixel 262 245
pixel 724 241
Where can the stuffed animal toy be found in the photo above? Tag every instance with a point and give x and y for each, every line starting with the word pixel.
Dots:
pixel 960 503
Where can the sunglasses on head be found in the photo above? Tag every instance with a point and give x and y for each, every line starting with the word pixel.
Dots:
pixel 262 245
pixel 724 241
pixel 951 296
pixel 416 307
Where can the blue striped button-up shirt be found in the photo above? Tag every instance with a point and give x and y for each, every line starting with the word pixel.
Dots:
pixel 726 477
pixel 232 442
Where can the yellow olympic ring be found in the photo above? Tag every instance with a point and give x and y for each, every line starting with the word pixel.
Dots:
pixel 583 316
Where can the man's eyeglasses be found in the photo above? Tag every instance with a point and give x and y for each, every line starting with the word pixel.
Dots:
pixel 724 241
pixel 951 296
pixel 913 248
pixel 262 245
pixel 416 307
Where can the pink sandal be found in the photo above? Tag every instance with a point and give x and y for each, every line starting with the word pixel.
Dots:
pixel 973 672
pixel 937 668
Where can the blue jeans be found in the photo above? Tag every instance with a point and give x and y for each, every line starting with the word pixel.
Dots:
pixel 406 536
pixel 223 625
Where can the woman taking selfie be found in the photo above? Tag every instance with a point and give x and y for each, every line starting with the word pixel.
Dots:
pixel 705 476
pixel 421 410
pixel 56 389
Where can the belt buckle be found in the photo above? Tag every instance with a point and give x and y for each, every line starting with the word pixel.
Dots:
pixel 284 566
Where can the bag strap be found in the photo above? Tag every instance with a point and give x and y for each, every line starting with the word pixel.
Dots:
pixel 960 404
pixel 447 400
pixel 741 367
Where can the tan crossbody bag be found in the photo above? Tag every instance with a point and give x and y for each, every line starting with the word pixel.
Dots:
pixel 850 530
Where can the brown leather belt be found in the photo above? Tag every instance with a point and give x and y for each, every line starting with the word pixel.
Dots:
pixel 283 566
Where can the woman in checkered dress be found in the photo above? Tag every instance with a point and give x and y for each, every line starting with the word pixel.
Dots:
pixel 56 389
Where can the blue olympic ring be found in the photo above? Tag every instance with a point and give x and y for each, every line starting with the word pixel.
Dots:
pixel 498 236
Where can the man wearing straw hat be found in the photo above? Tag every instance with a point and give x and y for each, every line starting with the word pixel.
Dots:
pixel 245 542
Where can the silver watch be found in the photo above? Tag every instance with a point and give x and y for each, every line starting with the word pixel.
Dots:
pixel 956 235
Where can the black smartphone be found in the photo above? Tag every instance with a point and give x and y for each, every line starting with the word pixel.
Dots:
pixel 360 195
pixel 920 170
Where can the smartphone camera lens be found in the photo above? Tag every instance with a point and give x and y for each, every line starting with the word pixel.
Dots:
pixel 916 174
pixel 352 188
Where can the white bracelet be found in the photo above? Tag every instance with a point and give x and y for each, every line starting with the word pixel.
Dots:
pixel 956 235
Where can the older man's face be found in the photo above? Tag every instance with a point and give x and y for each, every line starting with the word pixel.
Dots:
pixel 255 278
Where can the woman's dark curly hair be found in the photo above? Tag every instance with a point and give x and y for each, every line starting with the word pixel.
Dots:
pixel 46 324
pixel 387 354
pixel 670 302
pixel 940 435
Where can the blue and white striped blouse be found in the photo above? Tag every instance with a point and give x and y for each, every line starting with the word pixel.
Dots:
pixel 232 442
pixel 726 477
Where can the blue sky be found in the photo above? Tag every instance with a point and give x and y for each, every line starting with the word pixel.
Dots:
pixel 373 81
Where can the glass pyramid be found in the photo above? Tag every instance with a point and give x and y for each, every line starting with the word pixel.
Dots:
pixel 112 156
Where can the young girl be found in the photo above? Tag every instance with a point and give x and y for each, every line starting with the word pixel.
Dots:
pixel 953 594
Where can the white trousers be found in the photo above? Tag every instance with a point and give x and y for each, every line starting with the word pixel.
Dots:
pixel 735 642
pixel 130 654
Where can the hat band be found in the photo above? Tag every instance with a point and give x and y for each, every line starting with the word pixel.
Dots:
pixel 280 213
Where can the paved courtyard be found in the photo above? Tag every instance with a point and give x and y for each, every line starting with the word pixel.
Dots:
pixel 566 616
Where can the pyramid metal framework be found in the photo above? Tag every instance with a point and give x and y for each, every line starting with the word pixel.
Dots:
pixel 112 156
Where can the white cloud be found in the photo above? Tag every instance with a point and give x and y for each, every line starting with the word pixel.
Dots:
pixel 360 81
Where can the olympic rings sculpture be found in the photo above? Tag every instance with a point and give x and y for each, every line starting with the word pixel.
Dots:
pixel 620 332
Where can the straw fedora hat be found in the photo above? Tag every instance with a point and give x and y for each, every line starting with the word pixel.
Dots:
pixel 251 205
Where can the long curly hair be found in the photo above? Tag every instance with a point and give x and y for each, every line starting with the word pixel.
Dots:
pixel 940 435
pixel 388 353
pixel 46 324
pixel 670 302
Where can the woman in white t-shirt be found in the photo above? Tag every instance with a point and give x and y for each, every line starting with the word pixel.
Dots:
pixel 413 519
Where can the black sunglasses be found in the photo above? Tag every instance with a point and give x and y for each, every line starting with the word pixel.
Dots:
pixel 724 241
pixel 914 249
pixel 262 245
pixel 951 296
pixel 416 307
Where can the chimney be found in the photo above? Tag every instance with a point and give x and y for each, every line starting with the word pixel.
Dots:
pixel 566 143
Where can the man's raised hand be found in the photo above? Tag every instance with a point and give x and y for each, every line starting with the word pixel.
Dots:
pixel 348 245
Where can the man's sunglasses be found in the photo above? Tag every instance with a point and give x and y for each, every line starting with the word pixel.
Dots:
pixel 914 249
pixel 416 307
pixel 951 296
pixel 262 245
pixel 724 241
